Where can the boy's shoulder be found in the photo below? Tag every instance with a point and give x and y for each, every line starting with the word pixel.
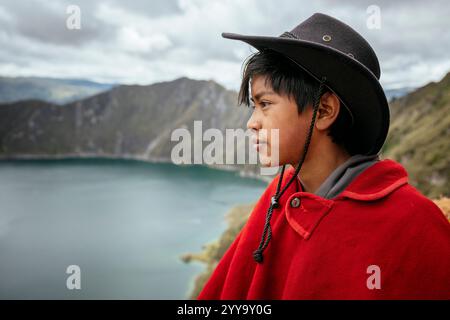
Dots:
pixel 417 206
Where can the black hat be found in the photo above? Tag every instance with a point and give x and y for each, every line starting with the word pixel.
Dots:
pixel 327 48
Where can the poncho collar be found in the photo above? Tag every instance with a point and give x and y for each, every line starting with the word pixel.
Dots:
pixel 376 180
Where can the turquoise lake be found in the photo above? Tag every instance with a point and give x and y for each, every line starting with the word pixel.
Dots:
pixel 124 223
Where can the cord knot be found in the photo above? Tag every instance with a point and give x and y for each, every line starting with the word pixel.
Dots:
pixel 274 202
pixel 257 255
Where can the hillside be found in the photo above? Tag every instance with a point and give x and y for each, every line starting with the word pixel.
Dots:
pixel 419 136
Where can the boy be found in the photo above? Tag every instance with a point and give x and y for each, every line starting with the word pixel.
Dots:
pixel 339 223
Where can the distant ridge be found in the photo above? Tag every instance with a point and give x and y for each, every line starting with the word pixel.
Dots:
pixel 58 91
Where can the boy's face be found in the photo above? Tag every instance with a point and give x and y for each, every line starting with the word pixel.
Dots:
pixel 274 111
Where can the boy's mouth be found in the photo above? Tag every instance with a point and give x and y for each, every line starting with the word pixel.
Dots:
pixel 258 146
pixel 257 143
pixel 255 140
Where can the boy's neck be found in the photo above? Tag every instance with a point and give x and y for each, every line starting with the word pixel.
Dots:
pixel 319 164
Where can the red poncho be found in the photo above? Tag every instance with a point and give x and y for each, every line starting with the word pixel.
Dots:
pixel 378 239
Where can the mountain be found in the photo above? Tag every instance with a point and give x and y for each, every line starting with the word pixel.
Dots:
pixel 58 91
pixel 127 121
pixel 419 136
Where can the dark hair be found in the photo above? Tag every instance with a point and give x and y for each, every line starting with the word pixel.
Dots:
pixel 287 78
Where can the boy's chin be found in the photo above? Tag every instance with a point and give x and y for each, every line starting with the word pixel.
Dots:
pixel 266 162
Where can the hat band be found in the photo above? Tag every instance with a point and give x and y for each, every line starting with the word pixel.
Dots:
pixel 288 34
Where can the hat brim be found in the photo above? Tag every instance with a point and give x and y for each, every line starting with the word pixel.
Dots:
pixel 356 86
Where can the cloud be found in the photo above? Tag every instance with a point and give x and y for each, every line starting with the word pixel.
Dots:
pixel 134 41
pixel 148 41
pixel 45 21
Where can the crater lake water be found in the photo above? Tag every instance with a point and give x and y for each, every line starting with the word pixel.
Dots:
pixel 124 223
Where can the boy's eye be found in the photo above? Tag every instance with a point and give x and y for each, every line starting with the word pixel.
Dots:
pixel 263 104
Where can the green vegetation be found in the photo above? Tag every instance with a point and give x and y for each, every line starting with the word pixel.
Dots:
pixel 419 137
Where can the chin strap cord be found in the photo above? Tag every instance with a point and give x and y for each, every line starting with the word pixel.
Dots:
pixel 267 231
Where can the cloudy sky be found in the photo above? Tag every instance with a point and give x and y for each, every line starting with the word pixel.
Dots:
pixel 142 41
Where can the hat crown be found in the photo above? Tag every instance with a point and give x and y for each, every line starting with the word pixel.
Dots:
pixel 328 31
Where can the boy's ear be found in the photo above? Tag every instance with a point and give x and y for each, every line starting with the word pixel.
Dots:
pixel 328 110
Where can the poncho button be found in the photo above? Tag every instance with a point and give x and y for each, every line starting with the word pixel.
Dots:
pixel 295 202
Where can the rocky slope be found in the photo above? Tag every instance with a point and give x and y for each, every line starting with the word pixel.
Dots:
pixel 419 136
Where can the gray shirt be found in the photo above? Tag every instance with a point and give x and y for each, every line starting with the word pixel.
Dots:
pixel 343 175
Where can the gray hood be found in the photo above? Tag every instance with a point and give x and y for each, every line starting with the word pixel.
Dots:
pixel 343 175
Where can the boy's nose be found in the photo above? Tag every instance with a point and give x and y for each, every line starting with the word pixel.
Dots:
pixel 253 123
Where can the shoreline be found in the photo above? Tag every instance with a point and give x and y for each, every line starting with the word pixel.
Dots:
pixel 132 157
